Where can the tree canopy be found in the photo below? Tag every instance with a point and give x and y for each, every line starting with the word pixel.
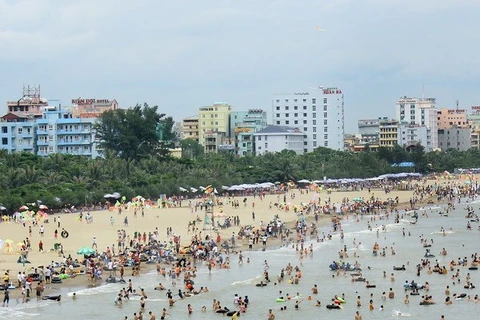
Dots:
pixel 134 133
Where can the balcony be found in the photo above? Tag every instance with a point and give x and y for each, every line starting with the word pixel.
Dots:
pixel 42 143
pixel 73 142
pixel 73 131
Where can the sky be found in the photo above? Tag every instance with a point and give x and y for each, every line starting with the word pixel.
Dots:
pixel 181 55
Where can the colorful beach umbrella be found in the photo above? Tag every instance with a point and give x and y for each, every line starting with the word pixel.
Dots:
pixel 86 251
pixel 23 207
pixel 43 207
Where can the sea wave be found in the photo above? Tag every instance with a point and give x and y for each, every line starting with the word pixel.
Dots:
pixel 247 282
pixel 108 288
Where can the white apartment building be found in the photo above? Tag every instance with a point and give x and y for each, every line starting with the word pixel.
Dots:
pixel 408 135
pixel 421 112
pixel 278 138
pixel 318 113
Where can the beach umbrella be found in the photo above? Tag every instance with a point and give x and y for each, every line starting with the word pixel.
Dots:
pixel 9 241
pixel 108 195
pixel 86 251
pixel 303 181
pixel 183 189
pixel 24 207
pixel 43 207
pixel 2 208
pixel 20 244
pixel 116 195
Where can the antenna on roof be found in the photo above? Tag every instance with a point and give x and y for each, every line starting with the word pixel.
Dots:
pixel 457 104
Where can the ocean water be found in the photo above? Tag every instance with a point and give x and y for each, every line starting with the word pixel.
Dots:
pixel 97 303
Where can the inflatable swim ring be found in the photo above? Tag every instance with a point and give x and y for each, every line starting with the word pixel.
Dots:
pixel 64 234
pixel 473 268
pixel 426 303
pixel 341 300
pixel 371 286
pixel 261 285
pixel 333 306
pixel 280 300
pixel 399 268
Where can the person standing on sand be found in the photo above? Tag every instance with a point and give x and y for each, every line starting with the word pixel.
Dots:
pixel 94 242
pixel 6 298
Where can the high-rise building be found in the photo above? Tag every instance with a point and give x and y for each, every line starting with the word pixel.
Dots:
pixel 278 138
pixel 17 133
pixel 448 118
pixel 190 128
pixel 214 121
pixel 31 103
pixel 318 113
pixel 409 135
pixel 456 138
pixel 474 124
pixel 388 137
pixel 421 112
pixel 243 124
pixel 59 132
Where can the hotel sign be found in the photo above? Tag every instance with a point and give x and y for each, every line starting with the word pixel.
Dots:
pixel 239 130
pixel 82 102
pixel 332 91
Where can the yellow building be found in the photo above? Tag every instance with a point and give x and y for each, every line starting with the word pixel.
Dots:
pixel 215 118
pixel 190 128
pixel 388 133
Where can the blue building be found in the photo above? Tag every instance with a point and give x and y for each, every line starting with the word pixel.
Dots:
pixel 17 133
pixel 243 124
pixel 59 132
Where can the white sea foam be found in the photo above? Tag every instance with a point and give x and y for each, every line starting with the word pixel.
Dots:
pixel 247 282
pixel 111 287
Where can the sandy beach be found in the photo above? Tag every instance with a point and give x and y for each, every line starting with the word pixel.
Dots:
pixel 106 223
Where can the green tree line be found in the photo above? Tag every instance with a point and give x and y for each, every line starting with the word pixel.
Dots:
pixel 64 180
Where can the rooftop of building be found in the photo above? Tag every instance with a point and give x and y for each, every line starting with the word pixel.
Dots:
pixel 278 129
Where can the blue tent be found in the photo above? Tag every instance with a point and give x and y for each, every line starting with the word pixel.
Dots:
pixel 404 165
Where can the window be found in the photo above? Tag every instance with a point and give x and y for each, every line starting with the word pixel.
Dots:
pixel 286 107
pixel 314 129
pixel 314 143
pixel 278 115
pixel 325 144
pixel 19 130
pixel 295 115
pixel 278 122
pixel 4 129
pixel 314 115
pixel 304 121
pixel 286 100
pixel 304 107
pixel 266 138
pixel 295 122
pixel 305 128
pixel 266 145
pixel 304 143
pixel 304 114
pixel 277 108
pixel 259 138
pixel 325 136
pixel 216 123
pixel 50 138
pixel 325 114
pixel 295 100
pixel 278 100
pixel 314 108
pixel 295 108
pixel 4 141
pixel 325 108
pixel 287 122
pixel 314 137
pixel 314 100
pixel 286 115
pixel 325 129
pixel 314 122
pixel 324 100
pixel 50 127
